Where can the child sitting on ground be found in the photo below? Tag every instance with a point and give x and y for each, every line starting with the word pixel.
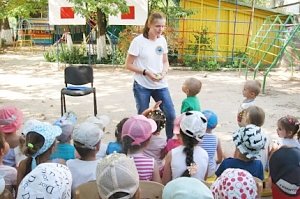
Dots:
pixel 116 147
pixel 136 134
pixel 87 138
pixel 11 119
pixel 285 173
pixel 235 183
pixel 249 141
pixel 10 173
pixel 211 143
pixel 155 147
pixel 117 177
pixel 102 121
pixel 191 87
pixel 64 149
pixel 256 115
pixel 40 140
pixel 47 181
pixel 250 92
pixel 186 188
pixel 189 159
pixel 287 128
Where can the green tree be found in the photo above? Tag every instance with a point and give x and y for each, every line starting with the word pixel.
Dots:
pixel 17 8
pixel 103 8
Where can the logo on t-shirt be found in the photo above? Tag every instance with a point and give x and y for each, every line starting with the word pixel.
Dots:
pixel 159 50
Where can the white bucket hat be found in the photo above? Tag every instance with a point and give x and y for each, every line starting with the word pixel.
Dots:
pixel 249 140
pixel 48 181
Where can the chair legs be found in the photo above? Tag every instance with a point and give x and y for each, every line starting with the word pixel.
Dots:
pixel 63 107
pixel 95 103
pixel 62 104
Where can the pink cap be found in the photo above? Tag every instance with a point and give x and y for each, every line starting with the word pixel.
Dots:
pixel 139 128
pixel 176 127
pixel 11 119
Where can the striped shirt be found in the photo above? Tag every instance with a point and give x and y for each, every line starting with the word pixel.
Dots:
pixel 144 165
pixel 209 144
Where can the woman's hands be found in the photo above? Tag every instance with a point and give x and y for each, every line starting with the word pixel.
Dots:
pixel 155 76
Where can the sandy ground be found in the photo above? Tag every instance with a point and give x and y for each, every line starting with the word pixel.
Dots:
pixel 34 87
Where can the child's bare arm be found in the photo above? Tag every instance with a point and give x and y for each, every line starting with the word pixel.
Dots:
pixel 156 176
pixel 219 152
pixel 163 153
pixel 21 171
pixel 155 107
pixel 167 175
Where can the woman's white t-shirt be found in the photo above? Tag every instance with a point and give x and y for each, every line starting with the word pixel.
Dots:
pixel 149 56
pixel 178 165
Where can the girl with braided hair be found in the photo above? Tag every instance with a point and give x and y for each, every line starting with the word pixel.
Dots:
pixel 189 159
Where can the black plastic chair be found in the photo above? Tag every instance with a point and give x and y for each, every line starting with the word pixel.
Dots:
pixel 76 78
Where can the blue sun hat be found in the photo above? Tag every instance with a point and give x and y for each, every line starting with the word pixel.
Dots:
pixel 212 119
pixel 45 129
pixel 186 187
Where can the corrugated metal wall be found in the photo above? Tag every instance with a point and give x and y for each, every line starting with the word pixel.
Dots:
pixel 227 27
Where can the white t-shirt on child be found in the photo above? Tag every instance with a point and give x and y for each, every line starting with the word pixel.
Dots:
pixel 290 142
pixel 178 165
pixel 82 171
pixel 10 174
pixel 149 56
pixel 154 148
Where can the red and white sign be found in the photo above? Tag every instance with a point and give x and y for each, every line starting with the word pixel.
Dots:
pixel 61 12
pixel 137 14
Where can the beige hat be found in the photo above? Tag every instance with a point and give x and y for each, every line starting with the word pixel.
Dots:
pixel 87 134
pixel 101 120
pixel 117 173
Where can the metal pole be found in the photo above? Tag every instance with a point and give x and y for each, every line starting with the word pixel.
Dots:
pixel 217 30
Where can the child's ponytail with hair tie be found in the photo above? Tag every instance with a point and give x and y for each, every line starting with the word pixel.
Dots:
pixel 30 145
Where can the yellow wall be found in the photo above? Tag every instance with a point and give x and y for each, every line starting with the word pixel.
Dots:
pixel 221 33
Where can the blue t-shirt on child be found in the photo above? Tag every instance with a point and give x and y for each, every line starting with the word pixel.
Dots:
pixel 113 147
pixel 64 151
pixel 254 167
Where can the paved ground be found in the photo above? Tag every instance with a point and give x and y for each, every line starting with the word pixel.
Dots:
pixel 34 86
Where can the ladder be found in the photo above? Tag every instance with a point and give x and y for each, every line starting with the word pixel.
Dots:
pixel 269 44
pixel 25 34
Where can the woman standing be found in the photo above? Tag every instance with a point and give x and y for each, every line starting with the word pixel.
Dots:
pixel 148 59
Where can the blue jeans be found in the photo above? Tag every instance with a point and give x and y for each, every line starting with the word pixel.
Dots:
pixel 142 98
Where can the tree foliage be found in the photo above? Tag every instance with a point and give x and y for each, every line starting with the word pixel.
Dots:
pixel 107 7
pixel 170 8
pixel 22 8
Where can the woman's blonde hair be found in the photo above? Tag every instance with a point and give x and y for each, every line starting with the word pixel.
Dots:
pixel 151 18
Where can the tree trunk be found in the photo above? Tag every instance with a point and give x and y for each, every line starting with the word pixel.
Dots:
pixel 1 23
pixel 6 32
pixel 101 43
